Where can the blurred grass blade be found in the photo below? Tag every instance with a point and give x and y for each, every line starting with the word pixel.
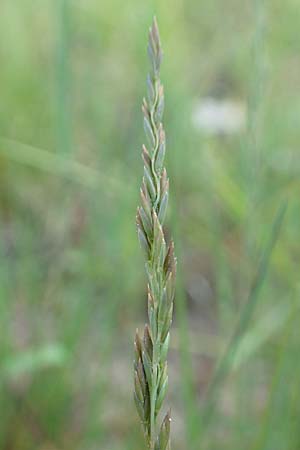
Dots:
pixel 264 329
pixel 29 361
pixel 56 165
pixel 284 393
pixel 245 317
pixel 64 78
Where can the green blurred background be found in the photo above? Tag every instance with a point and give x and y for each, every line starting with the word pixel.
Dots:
pixel 72 287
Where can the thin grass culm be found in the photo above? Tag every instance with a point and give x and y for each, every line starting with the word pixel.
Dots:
pixel 150 362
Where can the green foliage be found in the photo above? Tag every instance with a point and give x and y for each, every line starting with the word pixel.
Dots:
pixel 71 271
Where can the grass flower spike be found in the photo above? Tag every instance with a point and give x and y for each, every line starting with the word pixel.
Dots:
pixel 150 364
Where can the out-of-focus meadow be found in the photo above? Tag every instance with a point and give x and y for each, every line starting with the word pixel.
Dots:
pixel 72 283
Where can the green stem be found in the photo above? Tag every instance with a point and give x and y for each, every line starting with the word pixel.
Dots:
pixel 153 399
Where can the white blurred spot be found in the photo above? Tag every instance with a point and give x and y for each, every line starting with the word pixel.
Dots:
pixel 214 116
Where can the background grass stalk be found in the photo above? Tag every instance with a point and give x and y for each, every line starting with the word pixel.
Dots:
pixel 150 365
pixel 245 317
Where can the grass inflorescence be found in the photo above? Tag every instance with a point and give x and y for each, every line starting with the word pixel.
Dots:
pixel 150 364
